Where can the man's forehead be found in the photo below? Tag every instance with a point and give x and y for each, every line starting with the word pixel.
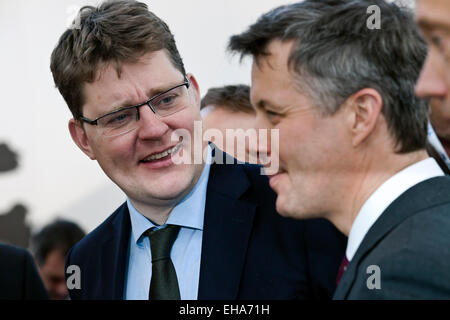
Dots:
pixel 274 64
pixel 432 14
pixel 277 54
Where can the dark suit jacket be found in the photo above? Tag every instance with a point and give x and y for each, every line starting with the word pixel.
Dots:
pixel 410 243
pixel 19 278
pixel 248 251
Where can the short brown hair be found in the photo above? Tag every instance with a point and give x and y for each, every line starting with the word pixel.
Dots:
pixel 114 32
pixel 235 98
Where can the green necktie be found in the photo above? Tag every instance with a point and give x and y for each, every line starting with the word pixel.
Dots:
pixel 164 283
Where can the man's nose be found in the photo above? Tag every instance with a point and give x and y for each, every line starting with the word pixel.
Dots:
pixel 431 82
pixel 151 126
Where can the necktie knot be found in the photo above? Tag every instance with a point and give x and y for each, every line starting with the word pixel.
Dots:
pixel 161 241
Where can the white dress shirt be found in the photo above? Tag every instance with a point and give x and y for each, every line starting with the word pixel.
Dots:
pixel 390 190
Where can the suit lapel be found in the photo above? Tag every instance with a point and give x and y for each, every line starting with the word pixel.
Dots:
pixel 227 227
pixel 421 196
pixel 114 256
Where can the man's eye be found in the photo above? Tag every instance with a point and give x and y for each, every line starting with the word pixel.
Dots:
pixel 442 44
pixel 436 40
pixel 119 118
pixel 271 114
pixel 166 101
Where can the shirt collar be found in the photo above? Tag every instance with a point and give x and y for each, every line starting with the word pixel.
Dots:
pixel 189 212
pixel 390 190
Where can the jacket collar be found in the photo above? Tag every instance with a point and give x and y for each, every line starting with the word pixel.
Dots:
pixel 428 193
pixel 227 227
pixel 114 255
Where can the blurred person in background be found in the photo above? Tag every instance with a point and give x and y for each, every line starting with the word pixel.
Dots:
pixel 19 278
pixel 229 107
pixel 8 158
pixel 50 246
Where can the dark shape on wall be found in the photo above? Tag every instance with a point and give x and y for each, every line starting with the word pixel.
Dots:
pixel 8 158
pixel 13 229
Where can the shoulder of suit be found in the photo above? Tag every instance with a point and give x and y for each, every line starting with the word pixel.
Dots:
pixel 432 223
pixel 424 235
pixel 10 252
pixel 439 187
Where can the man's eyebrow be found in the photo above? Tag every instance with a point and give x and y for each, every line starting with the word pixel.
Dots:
pixel 263 104
pixel 115 108
pixel 428 25
pixel 159 89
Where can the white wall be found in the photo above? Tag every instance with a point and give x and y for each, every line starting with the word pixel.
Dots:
pixel 54 177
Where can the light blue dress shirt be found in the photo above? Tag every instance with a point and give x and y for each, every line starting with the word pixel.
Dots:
pixel 186 250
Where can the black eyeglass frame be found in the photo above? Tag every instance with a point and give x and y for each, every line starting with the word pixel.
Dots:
pixel 148 103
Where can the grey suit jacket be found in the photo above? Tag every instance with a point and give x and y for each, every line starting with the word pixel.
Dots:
pixel 410 244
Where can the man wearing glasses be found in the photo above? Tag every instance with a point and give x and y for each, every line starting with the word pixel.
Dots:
pixel 186 231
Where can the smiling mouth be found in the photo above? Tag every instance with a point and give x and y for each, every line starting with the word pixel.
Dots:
pixel 161 155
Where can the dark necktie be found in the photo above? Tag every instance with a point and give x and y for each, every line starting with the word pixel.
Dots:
pixel 342 269
pixel 164 283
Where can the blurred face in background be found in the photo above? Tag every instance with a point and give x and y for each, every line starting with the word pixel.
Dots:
pixel 53 275
pixel 221 118
pixel 433 17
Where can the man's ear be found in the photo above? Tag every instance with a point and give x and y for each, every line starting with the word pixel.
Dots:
pixel 195 88
pixel 80 138
pixel 365 109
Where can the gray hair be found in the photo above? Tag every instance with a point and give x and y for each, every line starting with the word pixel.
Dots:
pixel 335 55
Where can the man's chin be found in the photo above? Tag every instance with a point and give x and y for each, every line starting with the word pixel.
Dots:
pixel 177 188
pixel 282 209
pixel 169 194
pixel 289 209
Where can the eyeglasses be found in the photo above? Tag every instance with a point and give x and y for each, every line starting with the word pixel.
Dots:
pixel 126 119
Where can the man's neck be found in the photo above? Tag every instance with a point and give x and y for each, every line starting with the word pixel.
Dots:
pixel 373 174
pixel 156 213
